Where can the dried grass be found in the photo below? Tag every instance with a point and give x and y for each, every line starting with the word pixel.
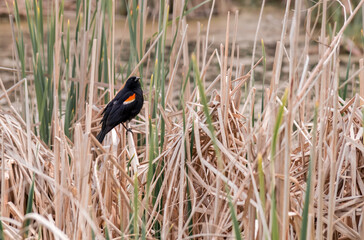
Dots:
pixel 184 189
pixel 182 168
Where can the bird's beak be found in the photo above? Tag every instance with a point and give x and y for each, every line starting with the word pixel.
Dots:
pixel 137 78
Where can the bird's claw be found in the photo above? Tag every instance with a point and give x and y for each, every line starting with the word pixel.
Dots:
pixel 129 130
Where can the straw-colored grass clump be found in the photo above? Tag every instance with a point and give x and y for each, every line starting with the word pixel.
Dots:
pixel 209 157
pixel 188 161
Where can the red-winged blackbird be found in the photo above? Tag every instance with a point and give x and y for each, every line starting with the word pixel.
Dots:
pixel 125 106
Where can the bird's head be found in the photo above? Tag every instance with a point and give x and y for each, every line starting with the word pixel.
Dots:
pixel 133 82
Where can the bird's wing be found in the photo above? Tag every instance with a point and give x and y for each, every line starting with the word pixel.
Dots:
pixel 123 95
pixel 119 98
pixel 120 106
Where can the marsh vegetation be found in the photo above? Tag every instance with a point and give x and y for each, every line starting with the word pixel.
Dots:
pixel 268 146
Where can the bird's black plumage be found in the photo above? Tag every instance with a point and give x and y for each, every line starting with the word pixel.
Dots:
pixel 125 106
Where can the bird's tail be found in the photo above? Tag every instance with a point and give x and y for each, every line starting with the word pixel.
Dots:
pixel 101 135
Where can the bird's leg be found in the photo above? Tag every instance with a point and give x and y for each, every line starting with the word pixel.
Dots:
pixel 127 129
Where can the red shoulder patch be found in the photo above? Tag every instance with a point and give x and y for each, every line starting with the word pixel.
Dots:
pixel 130 99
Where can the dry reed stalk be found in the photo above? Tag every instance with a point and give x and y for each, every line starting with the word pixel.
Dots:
pixel 279 52
pixel 361 80
pixel 146 55
pixel 251 83
pixel 56 119
pixel 112 52
pixel 83 68
pixel 295 28
pixel 205 47
pixel 332 199
pixel 225 80
pixel 12 88
pixel 133 155
pixel 175 68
